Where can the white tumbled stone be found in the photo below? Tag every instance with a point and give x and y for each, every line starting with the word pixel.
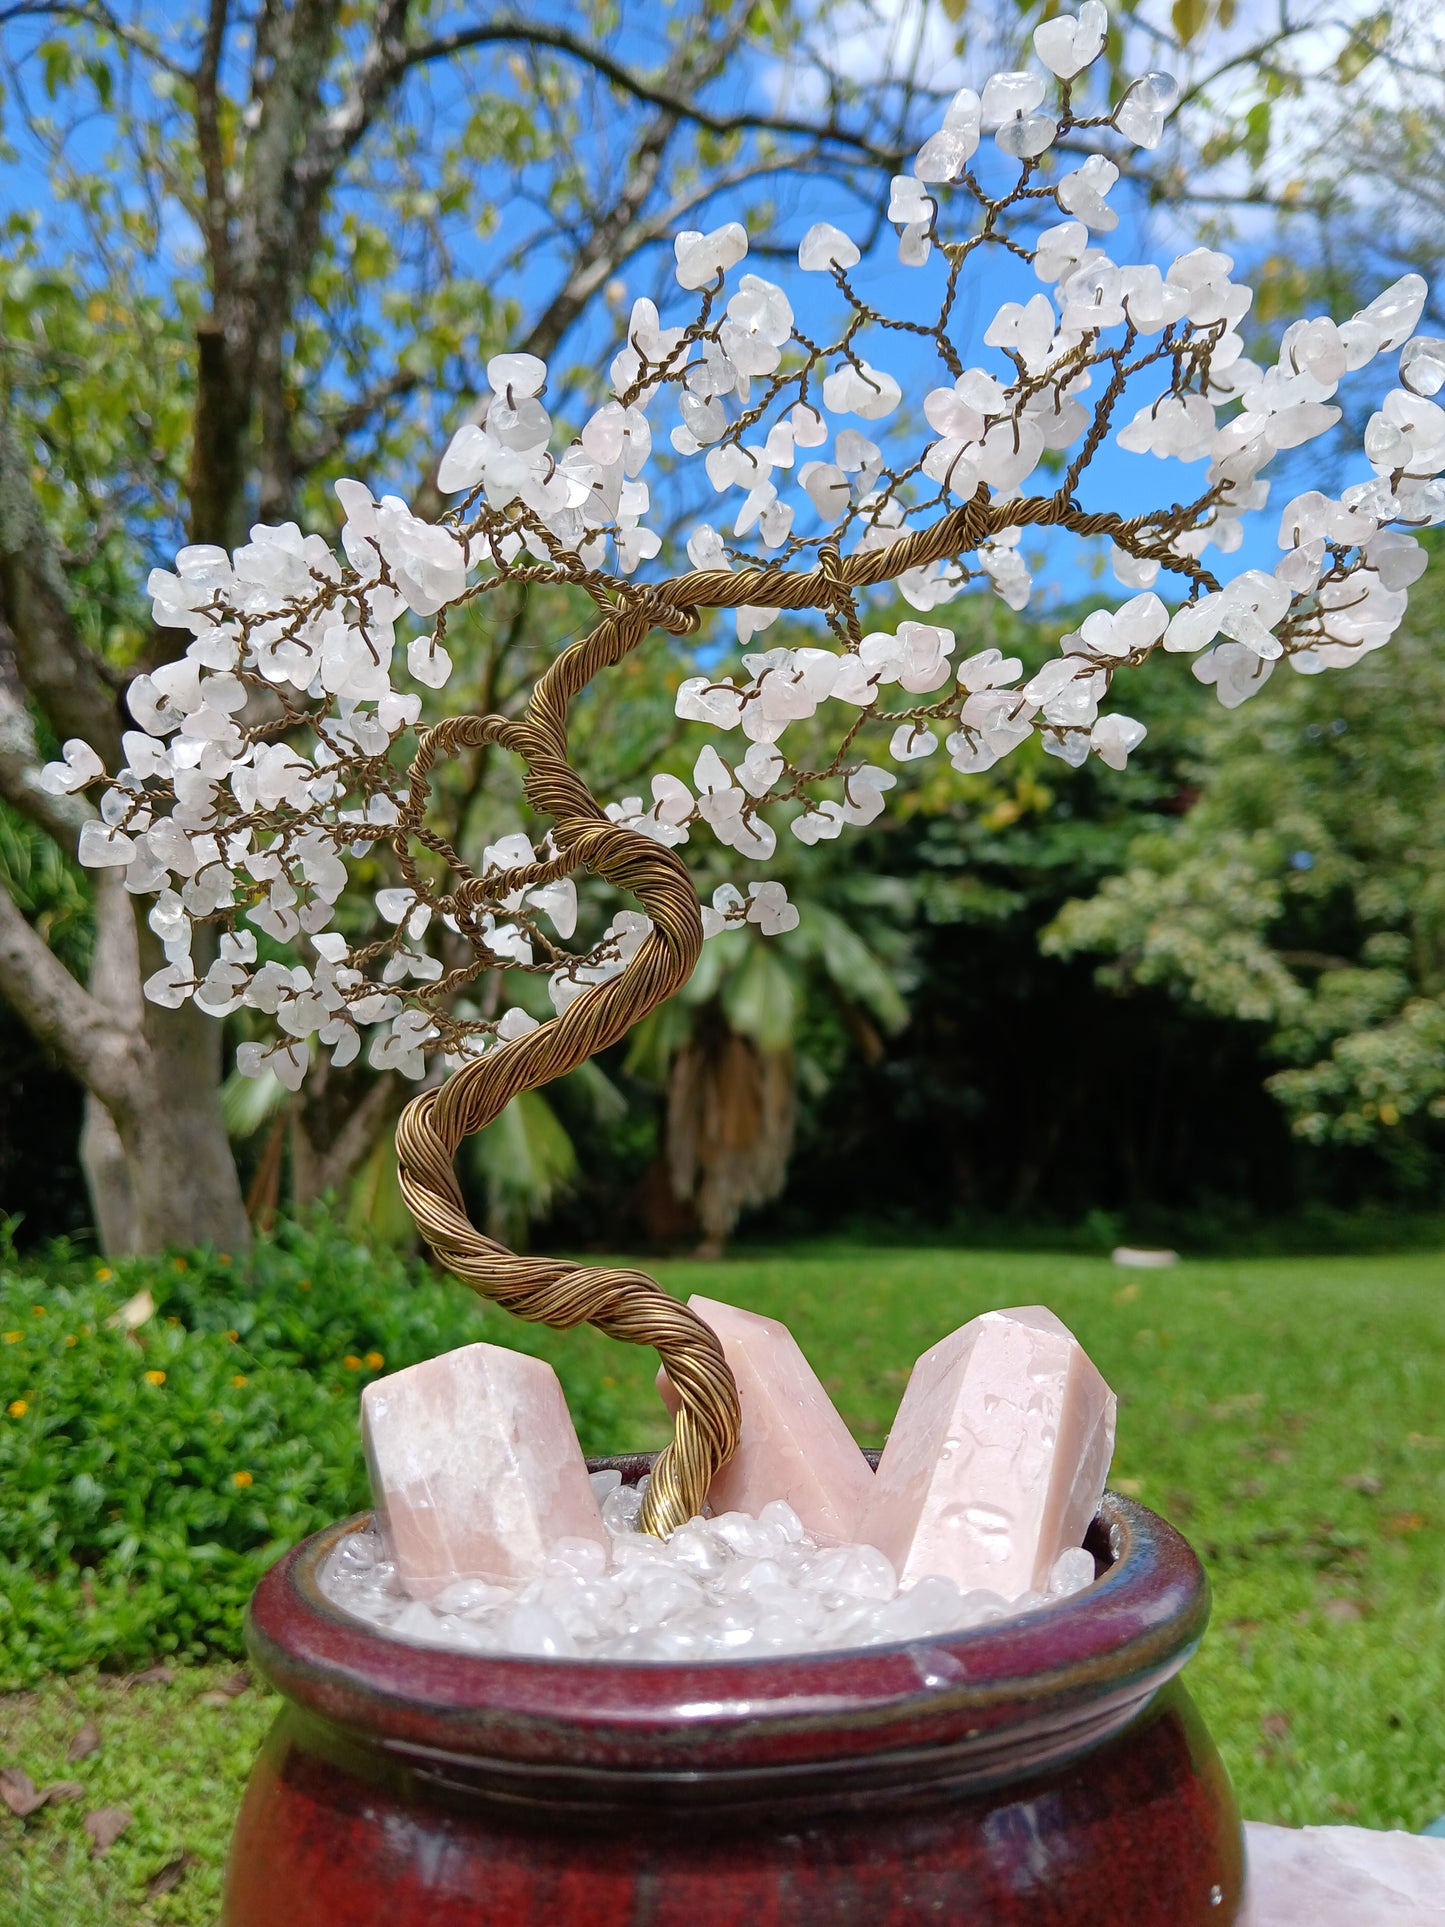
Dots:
pixel 476 1473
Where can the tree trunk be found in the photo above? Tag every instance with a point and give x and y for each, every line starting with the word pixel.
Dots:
pixel 107 1180
pixel 183 1179
pixel 336 1122
pixel 182 1176
pixel 114 984
pixel 183 1171
pixel 158 1164
pixel 729 1132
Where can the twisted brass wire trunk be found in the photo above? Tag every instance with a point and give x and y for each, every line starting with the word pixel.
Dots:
pixel 624 1304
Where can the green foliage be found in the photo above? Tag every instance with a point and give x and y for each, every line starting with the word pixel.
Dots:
pixel 102 365
pixel 151 1478
pixel 47 886
pixel 1190 917
pixel 1306 889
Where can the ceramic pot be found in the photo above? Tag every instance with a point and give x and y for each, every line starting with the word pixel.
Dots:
pixel 1049 1770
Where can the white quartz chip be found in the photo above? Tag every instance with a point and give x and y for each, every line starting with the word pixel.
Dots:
pixel 518 376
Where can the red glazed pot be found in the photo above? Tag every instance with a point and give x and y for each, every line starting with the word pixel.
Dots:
pixel 1050 1770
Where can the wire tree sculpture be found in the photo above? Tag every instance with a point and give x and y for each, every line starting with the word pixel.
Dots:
pixel 278 745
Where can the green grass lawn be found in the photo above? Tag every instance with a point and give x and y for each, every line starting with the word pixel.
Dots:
pixel 1288 1415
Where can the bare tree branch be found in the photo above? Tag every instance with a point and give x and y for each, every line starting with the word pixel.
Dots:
pixel 338 429
pixel 92 13
pixel 57 668
pixel 59 816
pixel 59 1013
pixel 386 66
pixel 380 72
pixel 327 1150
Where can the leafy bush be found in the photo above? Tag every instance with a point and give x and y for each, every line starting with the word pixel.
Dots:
pixel 151 1477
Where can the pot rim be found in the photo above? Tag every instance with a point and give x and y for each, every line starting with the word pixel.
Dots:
pixel 1047 1683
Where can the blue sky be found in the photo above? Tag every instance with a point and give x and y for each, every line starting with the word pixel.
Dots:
pixel 1128 483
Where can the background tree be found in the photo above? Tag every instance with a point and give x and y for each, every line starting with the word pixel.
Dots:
pixel 1305 891
pixel 1022 1092
pixel 274 237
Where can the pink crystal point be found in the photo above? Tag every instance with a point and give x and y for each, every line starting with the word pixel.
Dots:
pixel 793 1446
pixel 998 1455
pixel 475 1469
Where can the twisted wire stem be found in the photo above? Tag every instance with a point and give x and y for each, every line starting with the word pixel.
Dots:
pixel 624 1304
pixel 627 1304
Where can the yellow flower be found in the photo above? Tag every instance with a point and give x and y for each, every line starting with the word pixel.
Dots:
pixel 223 1257
pixel 173 1321
pixel 239 1379
pixel 375 1360
pixel 70 1339
pixel 235 1337
pixel 18 1408
pixel 179 1263
pixel 243 1479
pixel 1389 1114
pixel 352 1362
pixel 13 1338
pixel 155 1378
pixel 38 1310
pixel 104 1275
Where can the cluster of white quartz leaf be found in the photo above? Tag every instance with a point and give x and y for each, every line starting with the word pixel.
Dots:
pixel 220 822
pixel 994 429
pixel 732 1587
pixel 266 756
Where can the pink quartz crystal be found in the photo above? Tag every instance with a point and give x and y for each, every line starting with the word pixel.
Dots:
pixel 793 1446
pixel 997 1458
pixel 476 1472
